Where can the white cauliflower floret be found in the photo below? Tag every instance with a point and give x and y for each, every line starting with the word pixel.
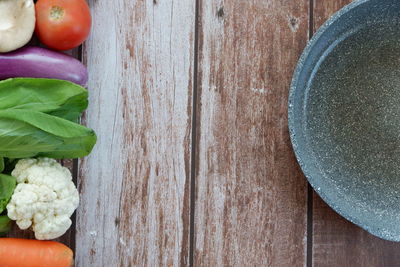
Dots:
pixel 45 197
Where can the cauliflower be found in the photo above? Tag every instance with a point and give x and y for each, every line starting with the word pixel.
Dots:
pixel 45 197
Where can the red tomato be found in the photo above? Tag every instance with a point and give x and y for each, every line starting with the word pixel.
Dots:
pixel 62 24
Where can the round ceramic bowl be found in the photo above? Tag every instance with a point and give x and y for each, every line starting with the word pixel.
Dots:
pixel 344 114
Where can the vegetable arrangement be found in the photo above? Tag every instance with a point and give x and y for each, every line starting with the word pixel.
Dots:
pixel 41 100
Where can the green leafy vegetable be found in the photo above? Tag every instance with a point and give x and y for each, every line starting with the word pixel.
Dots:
pixel 55 97
pixel 2 164
pixel 7 186
pixel 37 119
pixel 26 134
pixel 5 224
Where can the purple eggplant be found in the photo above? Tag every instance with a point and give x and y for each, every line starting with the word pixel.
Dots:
pixel 36 62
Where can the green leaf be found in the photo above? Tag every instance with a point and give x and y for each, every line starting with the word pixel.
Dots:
pixel 72 108
pixel 55 97
pixel 5 224
pixel 26 134
pixel 1 164
pixel 37 118
pixel 7 186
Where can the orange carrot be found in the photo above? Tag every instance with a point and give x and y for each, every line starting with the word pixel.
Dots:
pixel 16 252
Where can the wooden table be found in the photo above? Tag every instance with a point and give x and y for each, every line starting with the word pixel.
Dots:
pixel 194 164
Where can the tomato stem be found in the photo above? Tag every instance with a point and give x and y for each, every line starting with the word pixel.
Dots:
pixel 56 12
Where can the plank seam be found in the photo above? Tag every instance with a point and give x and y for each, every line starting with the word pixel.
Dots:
pixel 310 191
pixel 194 137
pixel 311 20
pixel 309 226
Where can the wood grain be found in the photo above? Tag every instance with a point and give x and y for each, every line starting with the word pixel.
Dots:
pixel 135 185
pixel 337 242
pixel 250 195
pixel 323 9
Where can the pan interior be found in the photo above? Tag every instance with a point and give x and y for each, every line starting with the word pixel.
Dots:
pixel 352 118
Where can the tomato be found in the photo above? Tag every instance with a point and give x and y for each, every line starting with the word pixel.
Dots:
pixel 62 24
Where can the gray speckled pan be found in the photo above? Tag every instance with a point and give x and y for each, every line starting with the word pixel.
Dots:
pixel 344 114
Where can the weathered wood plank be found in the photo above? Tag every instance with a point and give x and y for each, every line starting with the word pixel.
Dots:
pixel 135 185
pixel 250 194
pixel 324 9
pixel 337 242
